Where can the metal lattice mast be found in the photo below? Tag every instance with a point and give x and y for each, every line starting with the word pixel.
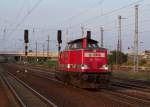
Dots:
pixel 119 34
pixel 136 58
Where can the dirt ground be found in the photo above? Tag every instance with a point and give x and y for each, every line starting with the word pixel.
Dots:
pixel 4 100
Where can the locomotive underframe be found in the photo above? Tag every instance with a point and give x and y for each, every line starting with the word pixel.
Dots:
pixel 84 79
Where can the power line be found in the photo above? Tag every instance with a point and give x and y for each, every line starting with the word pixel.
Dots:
pixel 7 20
pixel 127 25
pixel 20 9
pixel 83 12
pixel 110 21
pixel 105 14
pixel 28 13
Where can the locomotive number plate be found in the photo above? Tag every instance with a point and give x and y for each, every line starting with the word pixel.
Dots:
pixel 94 55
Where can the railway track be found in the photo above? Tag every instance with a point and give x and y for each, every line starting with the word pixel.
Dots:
pixel 135 92
pixel 131 84
pixel 49 79
pixel 128 99
pixel 118 92
pixel 121 96
pixel 25 95
pixel 127 83
pixel 40 72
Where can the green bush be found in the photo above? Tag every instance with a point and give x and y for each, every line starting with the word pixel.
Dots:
pixel 51 63
pixel 142 62
pixel 117 56
pixel 129 63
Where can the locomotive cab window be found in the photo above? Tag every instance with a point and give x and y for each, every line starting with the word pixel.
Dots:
pixel 76 45
pixel 92 45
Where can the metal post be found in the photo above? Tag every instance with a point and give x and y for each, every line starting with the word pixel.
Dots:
pixel 82 29
pixel 119 34
pixel 119 45
pixel 48 46
pixel 26 51
pixel 36 49
pixel 136 59
pixel 102 32
pixel 43 49
pixel 67 36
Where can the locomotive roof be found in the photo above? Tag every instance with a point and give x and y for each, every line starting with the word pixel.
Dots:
pixel 78 40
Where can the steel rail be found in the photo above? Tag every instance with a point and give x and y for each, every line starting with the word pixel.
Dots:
pixel 13 91
pixel 131 86
pixel 130 99
pixel 33 91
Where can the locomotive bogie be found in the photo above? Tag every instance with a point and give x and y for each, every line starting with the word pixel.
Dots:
pixel 85 80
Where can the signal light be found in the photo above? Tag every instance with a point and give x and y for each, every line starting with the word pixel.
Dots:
pixel 26 40
pixel 59 36
pixel 88 35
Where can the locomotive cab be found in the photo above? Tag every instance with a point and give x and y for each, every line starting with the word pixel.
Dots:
pixel 82 44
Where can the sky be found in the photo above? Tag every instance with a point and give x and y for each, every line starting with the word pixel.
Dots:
pixel 44 17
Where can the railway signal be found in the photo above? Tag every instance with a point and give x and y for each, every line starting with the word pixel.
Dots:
pixel 26 41
pixel 59 39
pixel 59 36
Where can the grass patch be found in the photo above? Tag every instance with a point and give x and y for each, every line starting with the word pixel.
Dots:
pixel 51 63
pixel 44 62
pixel 133 75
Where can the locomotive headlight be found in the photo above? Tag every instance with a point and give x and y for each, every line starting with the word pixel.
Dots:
pixel 84 66
pixel 105 67
pixel 68 66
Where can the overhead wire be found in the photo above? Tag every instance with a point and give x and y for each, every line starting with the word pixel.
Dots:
pixel 20 9
pixel 107 13
pixel 126 17
pixel 47 29
pixel 83 12
pixel 127 25
pixel 28 13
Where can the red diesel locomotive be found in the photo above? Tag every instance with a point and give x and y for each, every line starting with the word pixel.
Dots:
pixel 84 64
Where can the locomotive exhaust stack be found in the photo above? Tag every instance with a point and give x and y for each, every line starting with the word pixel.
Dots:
pixel 88 36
